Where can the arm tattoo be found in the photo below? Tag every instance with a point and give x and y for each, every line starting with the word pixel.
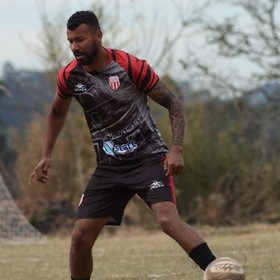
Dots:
pixel 163 96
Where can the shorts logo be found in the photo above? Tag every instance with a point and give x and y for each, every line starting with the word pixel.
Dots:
pixel 111 149
pixel 81 200
pixel 114 82
pixel 156 184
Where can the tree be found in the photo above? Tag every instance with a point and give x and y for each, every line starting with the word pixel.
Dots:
pixel 7 155
pixel 47 205
pixel 151 34
pixel 72 154
pixel 246 35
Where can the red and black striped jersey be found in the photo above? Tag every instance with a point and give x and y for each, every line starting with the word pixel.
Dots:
pixel 115 106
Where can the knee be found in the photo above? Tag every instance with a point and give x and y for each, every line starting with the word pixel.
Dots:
pixel 167 217
pixel 81 239
pixel 166 222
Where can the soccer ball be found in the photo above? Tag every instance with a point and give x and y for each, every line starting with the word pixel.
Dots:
pixel 224 269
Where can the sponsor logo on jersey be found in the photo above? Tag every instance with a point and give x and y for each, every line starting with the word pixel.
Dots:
pixel 156 184
pixel 114 82
pixel 80 87
pixel 112 149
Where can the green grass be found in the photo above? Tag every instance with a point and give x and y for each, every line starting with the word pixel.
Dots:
pixel 138 254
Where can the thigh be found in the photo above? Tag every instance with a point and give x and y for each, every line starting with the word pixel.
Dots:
pixel 104 197
pixel 156 186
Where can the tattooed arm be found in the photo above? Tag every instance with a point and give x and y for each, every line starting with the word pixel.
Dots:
pixel 162 95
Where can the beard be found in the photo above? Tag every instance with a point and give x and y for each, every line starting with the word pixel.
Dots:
pixel 84 58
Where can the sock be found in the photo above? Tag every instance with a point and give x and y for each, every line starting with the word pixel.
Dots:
pixel 202 255
pixel 88 278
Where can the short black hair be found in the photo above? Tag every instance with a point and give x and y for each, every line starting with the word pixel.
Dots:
pixel 87 17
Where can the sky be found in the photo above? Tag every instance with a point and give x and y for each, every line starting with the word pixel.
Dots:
pixel 20 24
pixel 20 27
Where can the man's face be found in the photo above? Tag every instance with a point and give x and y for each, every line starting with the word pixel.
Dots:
pixel 84 43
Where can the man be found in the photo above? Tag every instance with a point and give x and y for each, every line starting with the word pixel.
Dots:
pixel 112 87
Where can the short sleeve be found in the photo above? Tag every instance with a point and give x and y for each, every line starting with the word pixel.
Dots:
pixel 144 76
pixel 61 86
pixel 141 73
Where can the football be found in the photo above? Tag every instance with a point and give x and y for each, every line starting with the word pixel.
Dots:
pixel 225 268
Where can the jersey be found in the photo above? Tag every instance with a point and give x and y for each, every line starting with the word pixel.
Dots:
pixel 115 106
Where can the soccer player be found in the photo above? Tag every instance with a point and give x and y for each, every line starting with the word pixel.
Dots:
pixel 112 86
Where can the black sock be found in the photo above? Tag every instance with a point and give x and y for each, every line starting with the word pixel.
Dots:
pixel 202 255
pixel 88 278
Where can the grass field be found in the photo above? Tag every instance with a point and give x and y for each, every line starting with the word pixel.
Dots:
pixel 137 254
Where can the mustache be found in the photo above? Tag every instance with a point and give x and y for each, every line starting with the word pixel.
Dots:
pixel 77 53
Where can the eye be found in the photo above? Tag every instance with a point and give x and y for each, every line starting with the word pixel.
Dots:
pixel 79 39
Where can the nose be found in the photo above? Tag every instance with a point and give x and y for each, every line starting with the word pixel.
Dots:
pixel 75 47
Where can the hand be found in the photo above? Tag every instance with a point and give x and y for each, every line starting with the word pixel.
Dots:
pixel 40 173
pixel 174 162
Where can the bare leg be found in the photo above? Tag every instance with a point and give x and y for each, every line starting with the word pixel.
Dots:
pixel 84 235
pixel 167 216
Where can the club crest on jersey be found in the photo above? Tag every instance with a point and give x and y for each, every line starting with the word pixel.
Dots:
pixel 114 82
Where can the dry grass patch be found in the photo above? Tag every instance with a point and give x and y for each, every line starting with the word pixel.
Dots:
pixel 137 254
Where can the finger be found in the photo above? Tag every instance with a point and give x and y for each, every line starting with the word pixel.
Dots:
pixel 174 171
pixel 46 167
pixel 31 177
pixel 178 169
pixel 166 168
pixel 169 170
pixel 38 172
pixel 45 173
pixel 43 179
pixel 165 164
pixel 41 171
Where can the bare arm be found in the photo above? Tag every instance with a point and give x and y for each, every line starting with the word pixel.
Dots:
pixel 55 122
pixel 163 96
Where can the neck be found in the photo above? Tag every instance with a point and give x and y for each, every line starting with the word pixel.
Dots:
pixel 99 63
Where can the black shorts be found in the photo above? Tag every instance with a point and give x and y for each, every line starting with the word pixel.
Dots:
pixel 110 189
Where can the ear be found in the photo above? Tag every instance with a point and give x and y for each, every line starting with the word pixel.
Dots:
pixel 99 34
